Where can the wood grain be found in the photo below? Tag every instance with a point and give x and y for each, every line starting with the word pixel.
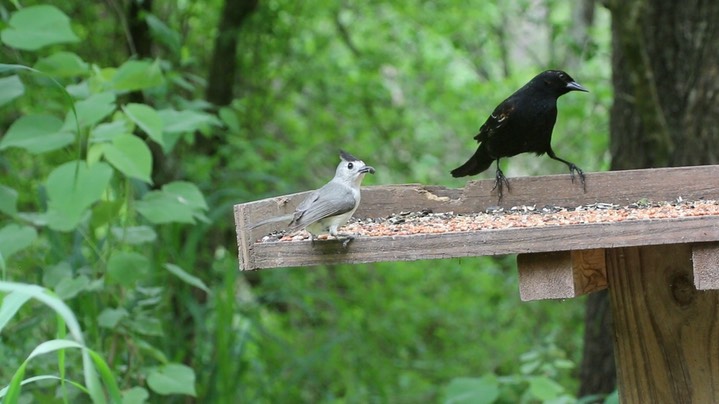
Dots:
pixel 620 187
pixel 705 257
pixel 666 332
pixel 484 242
pixel 561 274
pixel 545 275
pixel 589 268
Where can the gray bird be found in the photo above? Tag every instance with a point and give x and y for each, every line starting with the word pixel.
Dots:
pixel 331 206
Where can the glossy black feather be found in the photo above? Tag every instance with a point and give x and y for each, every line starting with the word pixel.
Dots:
pixel 522 123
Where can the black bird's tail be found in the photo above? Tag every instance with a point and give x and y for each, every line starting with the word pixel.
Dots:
pixel 480 161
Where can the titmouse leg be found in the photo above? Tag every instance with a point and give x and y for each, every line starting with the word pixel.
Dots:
pixel 347 237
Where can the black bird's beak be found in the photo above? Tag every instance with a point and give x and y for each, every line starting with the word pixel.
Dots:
pixel 367 169
pixel 574 86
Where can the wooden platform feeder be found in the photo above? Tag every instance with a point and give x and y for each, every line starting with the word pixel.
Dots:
pixel 662 274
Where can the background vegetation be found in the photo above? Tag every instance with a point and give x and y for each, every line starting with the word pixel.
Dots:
pixel 117 181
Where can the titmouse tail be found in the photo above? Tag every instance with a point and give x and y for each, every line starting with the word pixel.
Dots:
pixel 272 220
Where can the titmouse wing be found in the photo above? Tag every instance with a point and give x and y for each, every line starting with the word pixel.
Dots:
pixel 331 200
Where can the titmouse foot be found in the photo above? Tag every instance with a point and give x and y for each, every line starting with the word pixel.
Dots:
pixel 347 238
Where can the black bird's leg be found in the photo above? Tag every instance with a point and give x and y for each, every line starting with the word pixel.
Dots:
pixel 499 180
pixel 572 168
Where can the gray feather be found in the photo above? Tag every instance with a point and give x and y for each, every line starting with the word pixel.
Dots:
pixel 283 218
pixel 331 200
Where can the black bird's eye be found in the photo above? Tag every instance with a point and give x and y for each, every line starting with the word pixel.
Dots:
pixel 350 165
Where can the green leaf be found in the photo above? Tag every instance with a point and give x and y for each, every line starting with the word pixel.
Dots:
pixel 109 318
pixel 107 376
pixel 10 88
pixel 39 378
pixel 52 346
pixel 91 110
pixel 10 305
pixel 173 378
pixel 72 188
pixel 73 326
pixel 187 120
pixel 474 390
pixel 147 119
pixel 612 398
pixel 186 277
pixel 147 326
pixel 36 134
pixel 188 193
pixel 181 122
pixel 127 268
pixel 8 200
pixel 137 75
pixel 544 388
pixel 105 132
pixel 163 33
pixel 563 364
pixel 229 118
pixel 62 64
pixel 70 287
pixel 134 235
pixel 105 212
pixel 177 202
pixel 34 27
pixel 55 274
pixel 151 351
pixel 135 395
pixel 14 238
pixel 159 207
pixel 131 156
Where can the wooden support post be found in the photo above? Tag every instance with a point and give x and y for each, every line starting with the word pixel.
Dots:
pixel 705 257
pixel 561 274
pixel 666 332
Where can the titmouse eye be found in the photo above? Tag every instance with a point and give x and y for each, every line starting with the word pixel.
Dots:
pixel 350 165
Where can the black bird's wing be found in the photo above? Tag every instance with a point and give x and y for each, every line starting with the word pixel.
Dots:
pixel 331 200
pixel 497 120
pixel 490 139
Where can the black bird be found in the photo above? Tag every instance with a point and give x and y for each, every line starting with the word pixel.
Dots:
pixel 522 123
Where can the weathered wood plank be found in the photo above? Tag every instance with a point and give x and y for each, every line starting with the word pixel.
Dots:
pixel 485 242
pixel 705 257
pixel 561 274
pixel 590 270
pixel 666 332
pixel 620 187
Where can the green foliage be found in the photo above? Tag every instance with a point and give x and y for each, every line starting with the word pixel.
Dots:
pixel 10 88
pixel 145 260
pixel 35 27
pixel 84 226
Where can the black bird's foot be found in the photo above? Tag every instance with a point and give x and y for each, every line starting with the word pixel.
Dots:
pixel 572 169
pixel 499 182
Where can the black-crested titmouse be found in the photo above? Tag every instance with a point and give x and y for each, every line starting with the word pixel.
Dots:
pixel 331 206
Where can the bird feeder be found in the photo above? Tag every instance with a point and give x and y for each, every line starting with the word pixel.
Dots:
pixel 650 236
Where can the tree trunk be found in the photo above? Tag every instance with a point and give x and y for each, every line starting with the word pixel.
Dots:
pixel 666 113
pixel 223 67
pixel 140 40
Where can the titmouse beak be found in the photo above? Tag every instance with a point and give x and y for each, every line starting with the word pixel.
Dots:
pixel 574 86
pixel 367 169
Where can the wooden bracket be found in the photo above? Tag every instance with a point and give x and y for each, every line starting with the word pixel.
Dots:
pixel 705 259
pixel 561 274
